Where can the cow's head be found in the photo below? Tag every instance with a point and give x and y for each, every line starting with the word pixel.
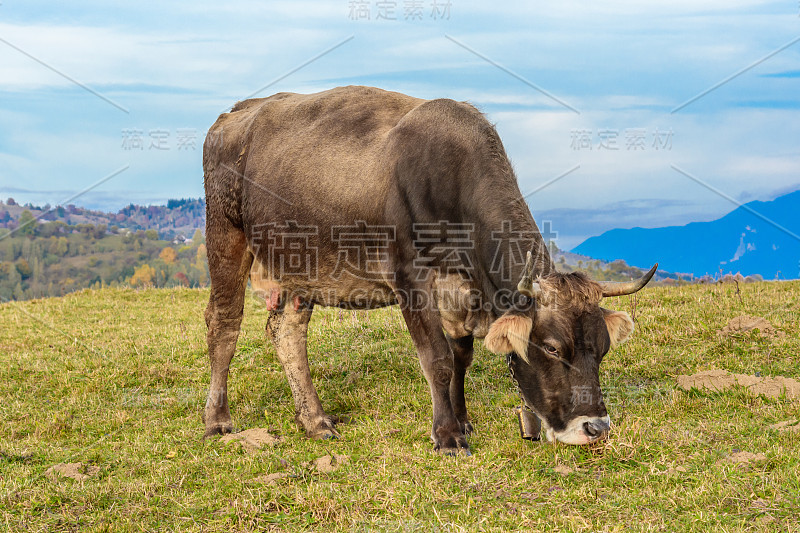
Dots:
pixel 554 347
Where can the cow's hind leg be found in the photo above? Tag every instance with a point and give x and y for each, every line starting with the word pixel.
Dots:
pixel 462 359
pixel 229 263
pixel 288 329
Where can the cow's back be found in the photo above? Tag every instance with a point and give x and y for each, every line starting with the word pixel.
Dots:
pixel 314 158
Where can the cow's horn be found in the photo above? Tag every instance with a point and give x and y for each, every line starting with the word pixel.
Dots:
pixel 621 288
pixel 526 285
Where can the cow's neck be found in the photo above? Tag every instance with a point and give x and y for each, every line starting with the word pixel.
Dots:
pixel 510 231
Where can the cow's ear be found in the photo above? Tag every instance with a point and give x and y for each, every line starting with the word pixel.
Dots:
pixel 509 333
pixel 619 324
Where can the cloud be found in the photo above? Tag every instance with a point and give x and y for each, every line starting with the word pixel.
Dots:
pixel 784 74
pixel 623 63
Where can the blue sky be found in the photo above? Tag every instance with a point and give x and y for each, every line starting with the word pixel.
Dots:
pixel 623 66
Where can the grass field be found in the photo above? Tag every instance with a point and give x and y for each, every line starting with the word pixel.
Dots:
pixel 116 380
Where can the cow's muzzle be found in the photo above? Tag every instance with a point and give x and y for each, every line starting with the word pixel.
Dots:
pixel 597 427
pixel 580 430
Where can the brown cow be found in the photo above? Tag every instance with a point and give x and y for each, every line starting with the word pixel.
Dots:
pixel 360 198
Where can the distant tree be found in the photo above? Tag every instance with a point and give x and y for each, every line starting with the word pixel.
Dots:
pixel 11 201
pixel 23 268
pixel 151 234
pixel 143 276
pixel 19 294
pixel 26 225
pixel 172 203
pixel 62 247
pixel 198 237
pixel 182 279
pixel 9 272
pixel 168 255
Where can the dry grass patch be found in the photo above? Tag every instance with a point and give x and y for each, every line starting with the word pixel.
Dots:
pixel 116 380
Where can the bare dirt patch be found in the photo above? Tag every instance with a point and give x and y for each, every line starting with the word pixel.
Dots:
pixel 745 323
pixel 329 463
pixel 76 471
pixel 741 457
pixel 720 380
pixel 270 479
pixel 252 439
pixel 787 426
pixel 563 470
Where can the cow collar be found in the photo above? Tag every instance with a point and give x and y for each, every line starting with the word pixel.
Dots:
pixel 525 405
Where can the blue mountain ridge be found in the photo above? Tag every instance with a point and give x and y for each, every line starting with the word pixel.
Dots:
pixel 755 238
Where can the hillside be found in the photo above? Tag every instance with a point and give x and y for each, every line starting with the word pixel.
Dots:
pixel 179 218
pixel 52 251
pixel 53 259
pixel 757 238
pixel 112 383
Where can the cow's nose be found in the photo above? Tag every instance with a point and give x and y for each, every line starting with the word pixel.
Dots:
pixel 595 428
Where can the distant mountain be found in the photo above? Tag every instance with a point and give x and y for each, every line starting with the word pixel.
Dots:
pixel 755 238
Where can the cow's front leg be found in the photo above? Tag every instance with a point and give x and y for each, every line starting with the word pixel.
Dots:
pixel 436 359
pixel 288 329
pixel 462 359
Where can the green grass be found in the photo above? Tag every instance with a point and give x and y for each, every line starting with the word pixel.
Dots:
pixel 117 378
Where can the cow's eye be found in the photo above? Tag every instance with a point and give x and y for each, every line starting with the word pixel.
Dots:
pixel 551 350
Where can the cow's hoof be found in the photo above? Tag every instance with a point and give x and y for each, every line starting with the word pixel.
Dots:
pixel 324 429
pixel 218 429
pixel 453 446
pixel 454 452
pixel 324 434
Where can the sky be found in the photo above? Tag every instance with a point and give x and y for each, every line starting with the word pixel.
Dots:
pixel 620 113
